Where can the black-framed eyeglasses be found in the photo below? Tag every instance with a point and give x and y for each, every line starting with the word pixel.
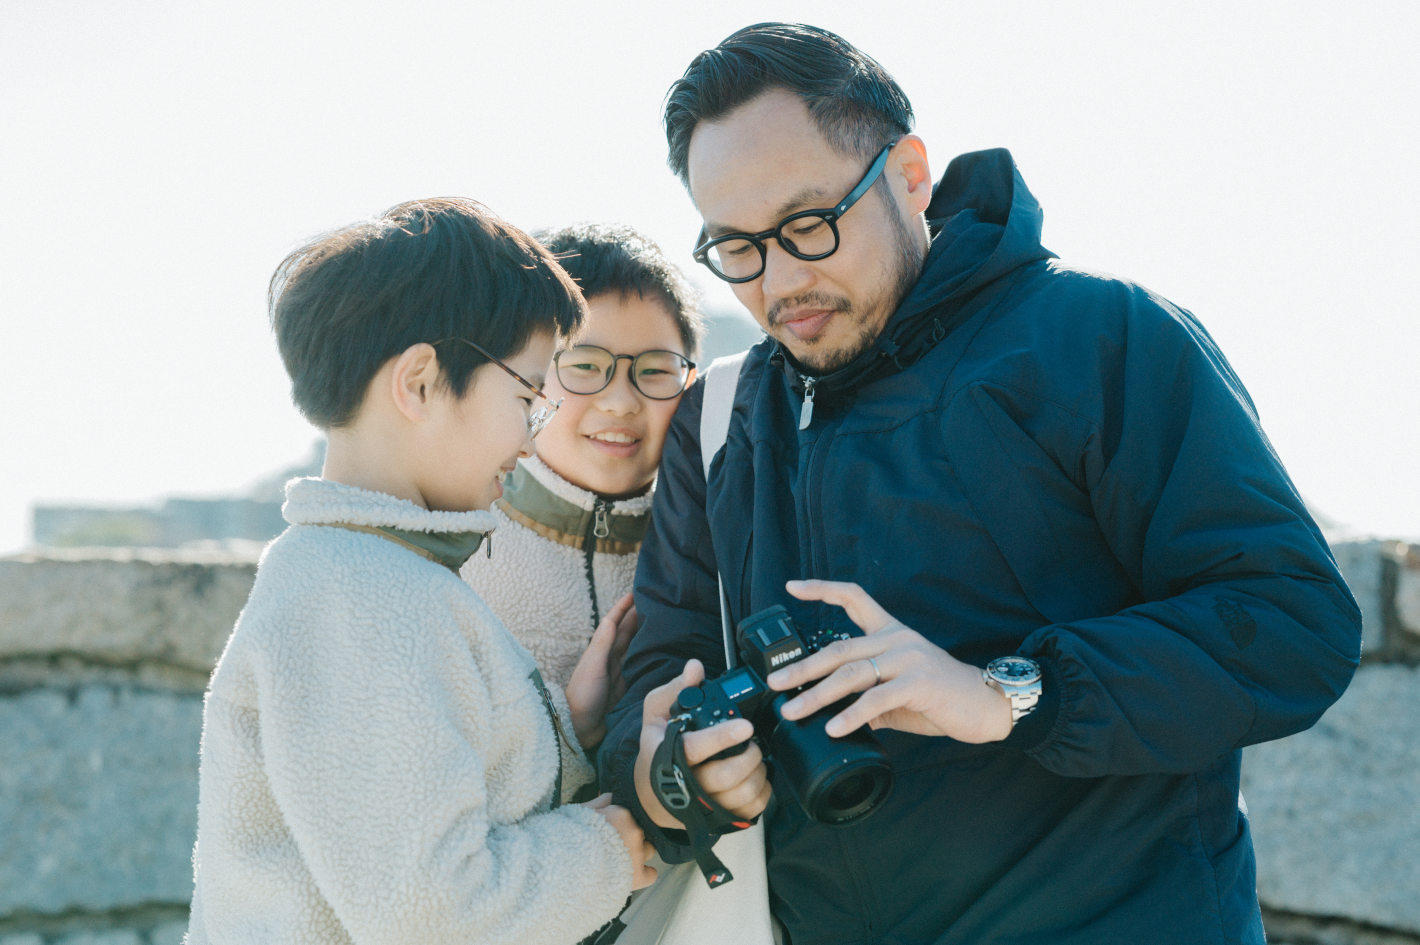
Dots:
pixel 588 369
pixel 808 234
pixel 537 419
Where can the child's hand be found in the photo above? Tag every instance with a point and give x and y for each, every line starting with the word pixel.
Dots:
pixel 596 683
pixel 631 835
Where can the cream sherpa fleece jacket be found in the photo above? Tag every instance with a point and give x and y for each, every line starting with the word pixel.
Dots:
pixel 536 576
pixel 377 765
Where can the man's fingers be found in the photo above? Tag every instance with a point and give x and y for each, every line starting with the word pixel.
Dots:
pixel 658 702
pixel 707 742
pixel 854 675
pixel 871 705
pixel 861 609
pixel 837 654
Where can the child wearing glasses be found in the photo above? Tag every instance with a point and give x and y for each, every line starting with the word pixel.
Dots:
pixel 381 760
pixel 572 517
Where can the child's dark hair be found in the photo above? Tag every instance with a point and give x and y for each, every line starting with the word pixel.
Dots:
pixel 612 257
pixel 426 270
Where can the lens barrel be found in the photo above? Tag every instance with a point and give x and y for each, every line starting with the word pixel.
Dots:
pixel 836 781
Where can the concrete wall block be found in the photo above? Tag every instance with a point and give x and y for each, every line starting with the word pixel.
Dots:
pixel 121 608
pixel 101 785
pixel 1333 809
pixel 1362 564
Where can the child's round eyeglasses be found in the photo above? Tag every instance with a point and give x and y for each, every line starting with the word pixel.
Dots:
pixel 588 369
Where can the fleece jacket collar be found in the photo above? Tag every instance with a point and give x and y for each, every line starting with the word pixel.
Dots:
pixel 538 498
pixel 447 538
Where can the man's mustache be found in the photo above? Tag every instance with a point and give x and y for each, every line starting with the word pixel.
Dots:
pixel 814 300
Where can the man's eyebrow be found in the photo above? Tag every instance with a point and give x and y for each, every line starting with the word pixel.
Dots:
pixel 807 198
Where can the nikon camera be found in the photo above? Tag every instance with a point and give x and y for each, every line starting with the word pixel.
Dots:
pixel 835 780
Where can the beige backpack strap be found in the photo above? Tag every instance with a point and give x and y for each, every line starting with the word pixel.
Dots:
pixel 721 379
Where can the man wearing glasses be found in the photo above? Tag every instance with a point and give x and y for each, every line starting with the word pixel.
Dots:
pixel 1082 578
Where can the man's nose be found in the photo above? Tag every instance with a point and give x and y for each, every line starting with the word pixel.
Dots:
pixel 785 275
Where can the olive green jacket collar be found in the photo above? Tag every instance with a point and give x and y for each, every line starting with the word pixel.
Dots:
pixel 541 500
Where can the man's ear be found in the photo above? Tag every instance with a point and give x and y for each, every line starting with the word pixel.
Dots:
pixel 413 379
pixel 910 168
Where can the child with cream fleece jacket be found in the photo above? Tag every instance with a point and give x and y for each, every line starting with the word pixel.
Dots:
pixel 571 519
pixel 381 760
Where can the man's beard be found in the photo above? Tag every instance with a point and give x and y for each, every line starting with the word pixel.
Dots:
pixel 906 265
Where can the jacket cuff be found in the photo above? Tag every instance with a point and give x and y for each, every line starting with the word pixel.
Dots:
pixel 1035 730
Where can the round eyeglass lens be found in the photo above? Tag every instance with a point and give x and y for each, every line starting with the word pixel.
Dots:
pixel 659 374
pixel 809 237
pixel 735 258
pixel 584 369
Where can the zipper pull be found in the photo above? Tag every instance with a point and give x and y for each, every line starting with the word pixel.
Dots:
pixel 806 412
pixel 601 529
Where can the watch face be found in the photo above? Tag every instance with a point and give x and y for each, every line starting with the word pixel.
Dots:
pixel 1014 670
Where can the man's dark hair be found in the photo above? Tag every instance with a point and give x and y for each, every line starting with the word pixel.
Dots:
pixel 611 257
pixel 426 270
pixel 854 103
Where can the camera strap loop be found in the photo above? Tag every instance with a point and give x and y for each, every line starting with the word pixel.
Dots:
pixel 704 819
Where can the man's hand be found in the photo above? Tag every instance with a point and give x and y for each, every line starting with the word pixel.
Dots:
pixel 739 783
pixel 907 682
pixel 596 684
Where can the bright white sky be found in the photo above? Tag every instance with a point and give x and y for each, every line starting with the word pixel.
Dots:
pixel 1254 162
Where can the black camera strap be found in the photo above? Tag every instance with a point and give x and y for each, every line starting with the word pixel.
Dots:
pixel 704 819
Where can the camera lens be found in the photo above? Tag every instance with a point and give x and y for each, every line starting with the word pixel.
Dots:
pixel 851 795
pixel 849 792
pixel 835 780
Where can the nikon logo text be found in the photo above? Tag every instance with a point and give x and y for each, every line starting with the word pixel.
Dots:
pixel 778 658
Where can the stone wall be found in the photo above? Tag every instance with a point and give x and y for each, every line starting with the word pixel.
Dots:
pixel 103 660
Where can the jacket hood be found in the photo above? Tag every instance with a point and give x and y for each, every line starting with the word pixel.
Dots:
pixel 984 223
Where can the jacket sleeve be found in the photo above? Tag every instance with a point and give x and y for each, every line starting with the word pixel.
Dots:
pixel 677 602
pixel 390 785
pixel 1245 631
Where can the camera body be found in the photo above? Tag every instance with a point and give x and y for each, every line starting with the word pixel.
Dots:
pixel 836 781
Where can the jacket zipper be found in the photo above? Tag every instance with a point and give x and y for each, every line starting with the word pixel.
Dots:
pixel 806 412
pixel 599 527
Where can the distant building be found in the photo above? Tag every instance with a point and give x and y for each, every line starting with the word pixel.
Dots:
pixel 255 516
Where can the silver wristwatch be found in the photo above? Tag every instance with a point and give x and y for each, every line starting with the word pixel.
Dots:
pixel 1019 679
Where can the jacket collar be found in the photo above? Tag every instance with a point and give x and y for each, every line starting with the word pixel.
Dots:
pixel 538 498
pixel 984 223
pixel 448 538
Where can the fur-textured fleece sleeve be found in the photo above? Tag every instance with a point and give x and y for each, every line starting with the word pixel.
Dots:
pixel 412 761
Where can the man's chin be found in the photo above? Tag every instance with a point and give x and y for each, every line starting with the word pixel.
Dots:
pixel 819 357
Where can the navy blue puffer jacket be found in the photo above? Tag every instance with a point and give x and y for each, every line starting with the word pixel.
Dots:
pixel 1032 459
